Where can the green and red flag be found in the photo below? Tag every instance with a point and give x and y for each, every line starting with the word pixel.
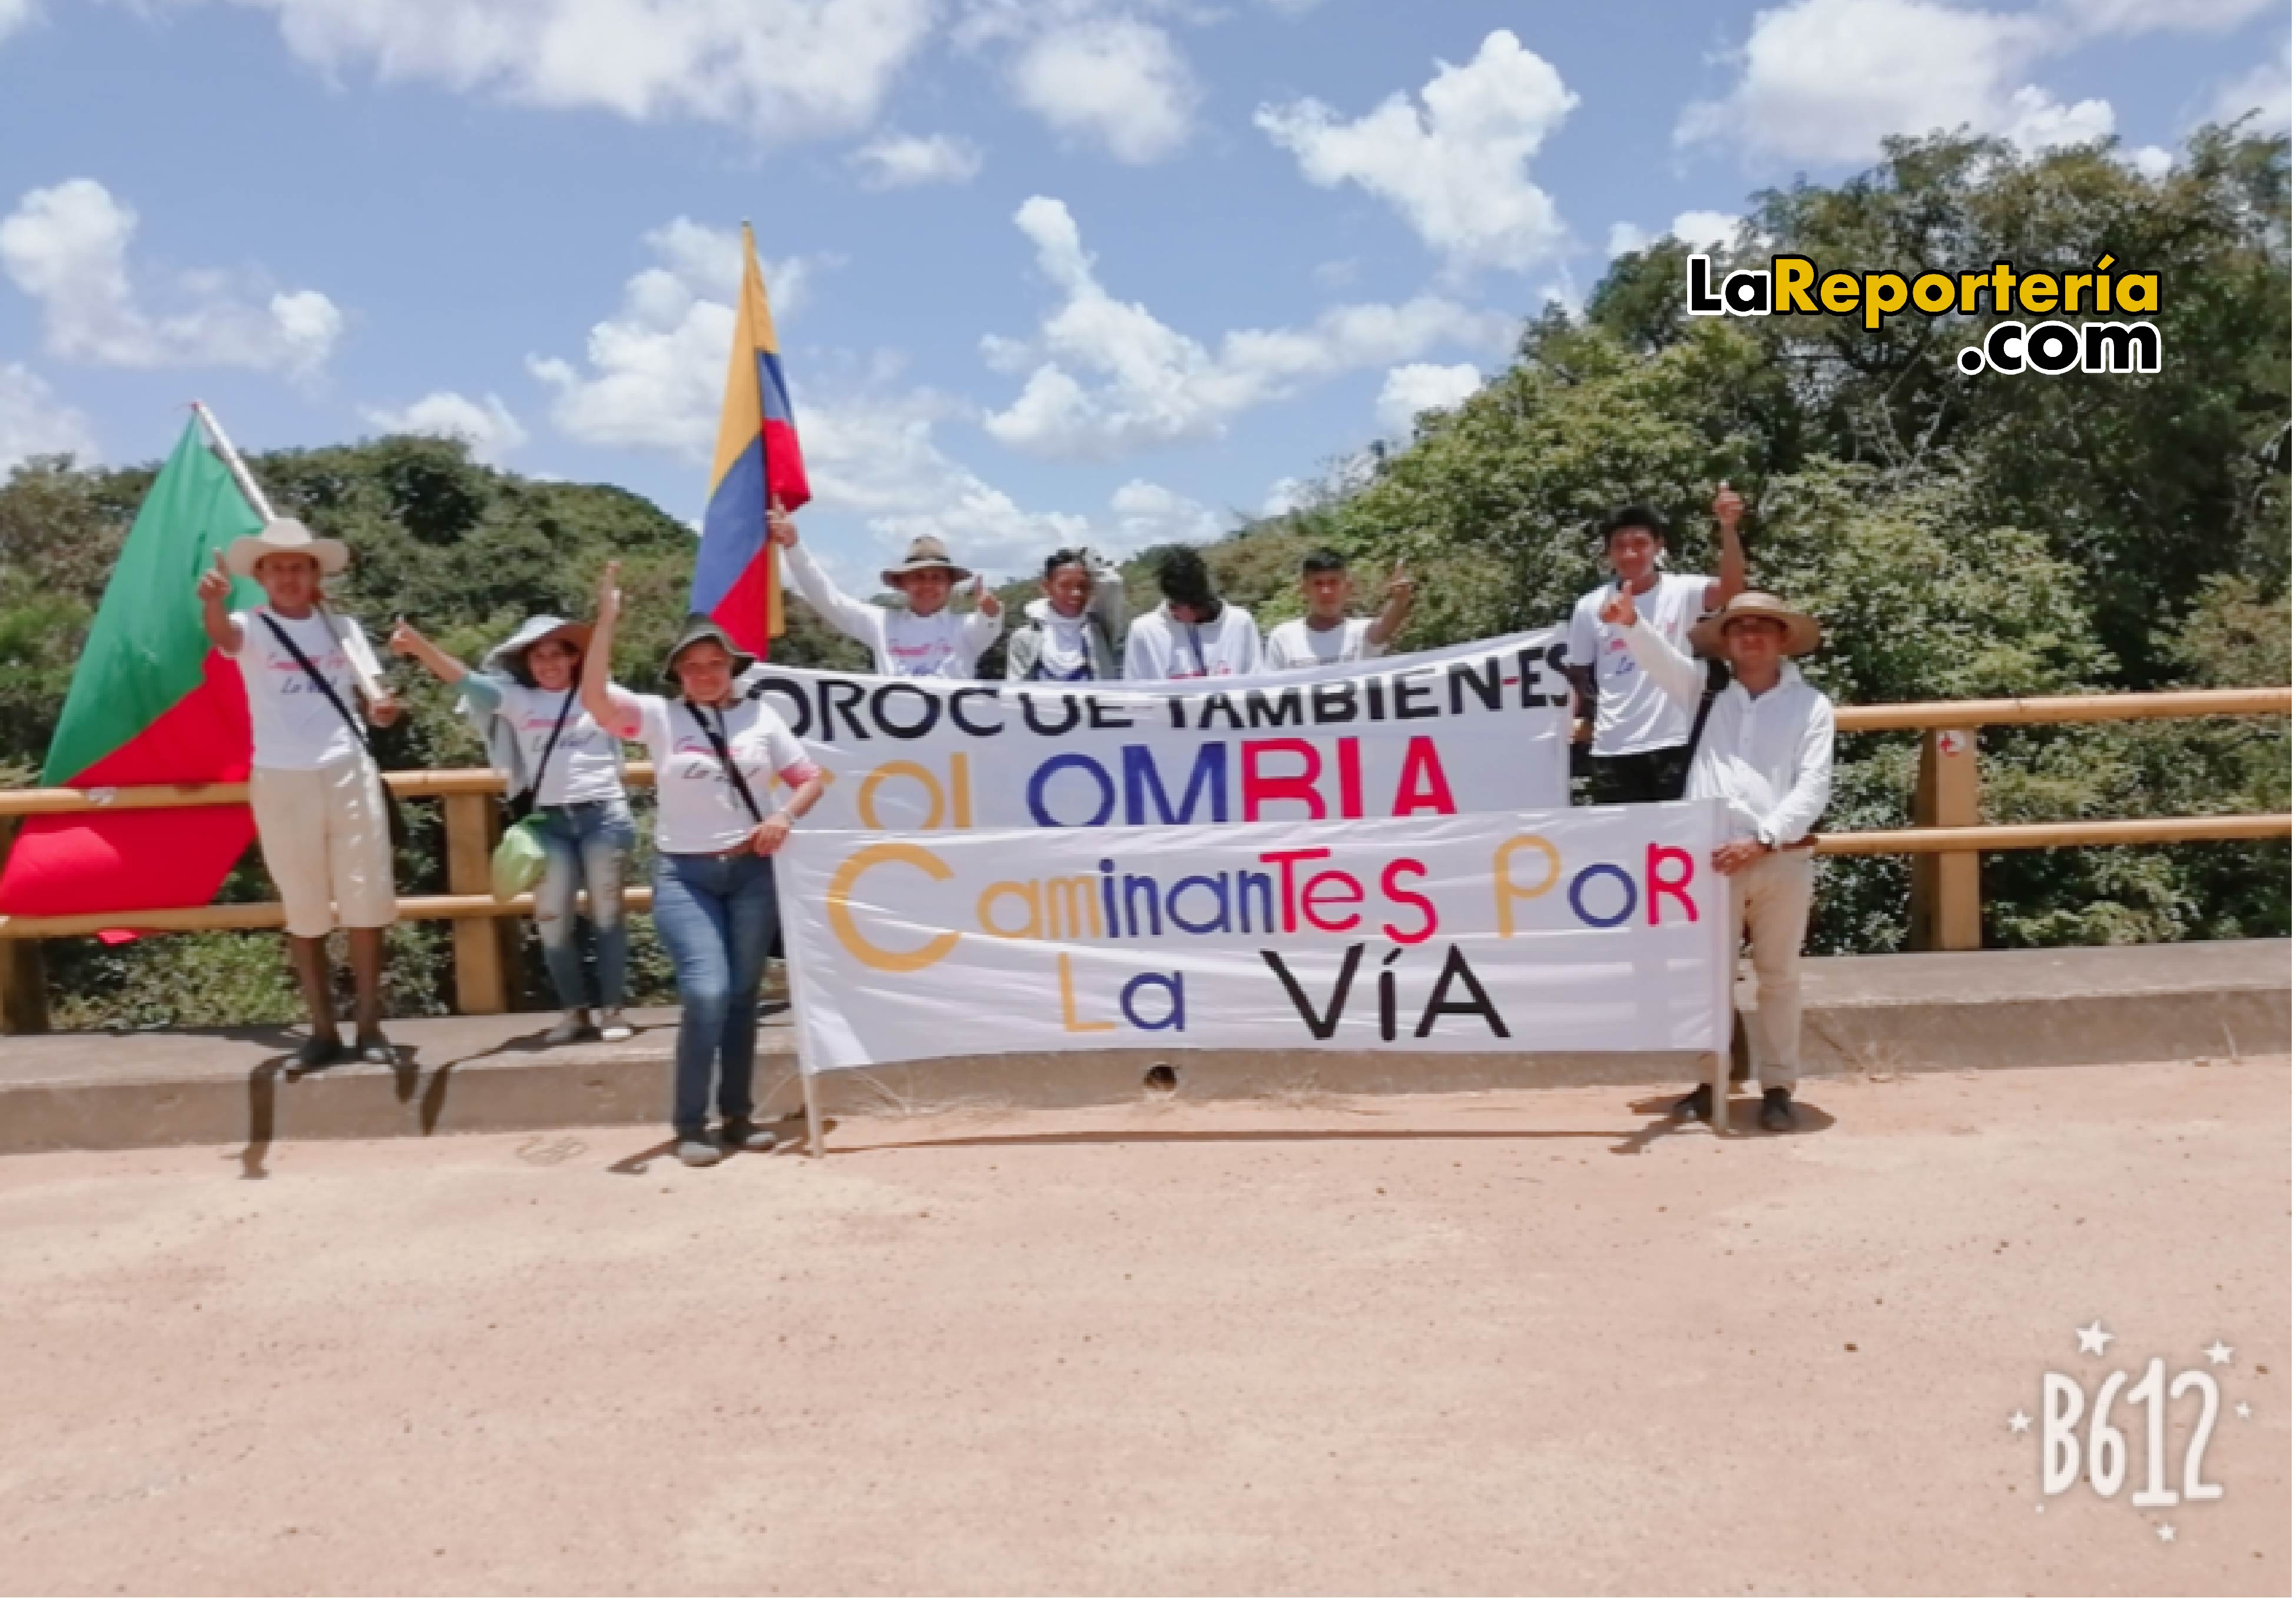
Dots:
pixel 151 701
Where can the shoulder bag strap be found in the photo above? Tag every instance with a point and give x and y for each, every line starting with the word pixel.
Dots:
pixel 1718 678
pixel 726 759
pixel 533 788
pixel 358 730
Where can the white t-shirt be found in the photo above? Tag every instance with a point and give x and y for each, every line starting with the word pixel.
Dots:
pixel 1632 714
pixel 1296 646
pixel 699 810
pixel 584 767
pixel 1163 650
pixel 905 644
pixel 296 729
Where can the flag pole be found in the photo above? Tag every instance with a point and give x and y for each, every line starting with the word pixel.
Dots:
pixel 240 474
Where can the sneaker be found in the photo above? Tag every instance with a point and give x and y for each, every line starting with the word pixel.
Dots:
pixel 1777 1109
pixel 699 1151
pixel 377 1050
pixel 318 1053
pixel 571 1027
pixel 1696 1105
pixel 612 1027
pixel 748 1135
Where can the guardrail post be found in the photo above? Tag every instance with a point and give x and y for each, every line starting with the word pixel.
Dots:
pixel 481 962
pixel 23 973
pixel 1947 909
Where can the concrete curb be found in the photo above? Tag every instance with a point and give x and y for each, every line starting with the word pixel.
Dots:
pixel 1885 1014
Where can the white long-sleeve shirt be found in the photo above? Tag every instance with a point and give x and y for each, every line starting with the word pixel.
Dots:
pixel 1158 649
pixel 1769 757
pixel 906 644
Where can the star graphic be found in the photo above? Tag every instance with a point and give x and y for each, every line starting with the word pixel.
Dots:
pixel 2241 1409
pixel 2218 1355
pixel 2020 1421
pixel 2168 1533
pixel 2093 1336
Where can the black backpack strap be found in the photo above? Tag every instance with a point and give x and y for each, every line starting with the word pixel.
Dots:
pixel 726 759
pixel 358 728
pixel 1718 678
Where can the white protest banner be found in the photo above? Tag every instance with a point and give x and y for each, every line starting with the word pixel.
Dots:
pixel 1484 726
pixel 1489 932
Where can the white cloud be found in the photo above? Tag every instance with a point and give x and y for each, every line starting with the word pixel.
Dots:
pixel 1626 238
pixel 779 69
pixel 1148 513
pixel 902 161
pixel 1826 80
pixel 1286 495
pixel 1700 229
pixel 33 421
pixel 1145 384
pixel 13 15
pixel 1458 170
pixel 67 247
pixel 2148 16
pixel 2262 89
pixel 1114 81
pixel 2154 162
pixel 487 425
pixel 656 370
pixel 1421 387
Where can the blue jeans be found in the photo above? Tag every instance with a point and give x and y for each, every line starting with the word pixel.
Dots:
pixel 588 846
pixel 717 916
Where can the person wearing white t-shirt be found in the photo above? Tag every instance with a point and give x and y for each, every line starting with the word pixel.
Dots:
pixel 1640 754
pixel 1328 636
pixel 314 789
pixel 716 755
pixel 923 637
pixel 1193 633
pixel 566 772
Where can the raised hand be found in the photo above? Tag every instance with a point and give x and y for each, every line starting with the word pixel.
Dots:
pixel 1400 582
pixel 215 583
pixel 1619 609
pixel 990 604
pixel 780 530
pixel 1728 507
pixel 405 640
pixel 610 591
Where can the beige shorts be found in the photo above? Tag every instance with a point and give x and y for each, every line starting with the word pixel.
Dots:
pixel 326 842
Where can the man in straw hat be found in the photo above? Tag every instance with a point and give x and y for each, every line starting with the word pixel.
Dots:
pixel 923 639
pixel 314 789
pixel 1766 750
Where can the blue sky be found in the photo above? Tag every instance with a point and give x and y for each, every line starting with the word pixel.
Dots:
pixel 1110 269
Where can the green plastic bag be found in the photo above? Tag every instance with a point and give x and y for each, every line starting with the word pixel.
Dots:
pixel 519 860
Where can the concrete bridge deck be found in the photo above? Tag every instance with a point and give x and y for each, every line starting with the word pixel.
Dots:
pixel 1882 1015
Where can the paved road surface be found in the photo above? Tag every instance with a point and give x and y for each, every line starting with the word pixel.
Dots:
pixel 1481 1343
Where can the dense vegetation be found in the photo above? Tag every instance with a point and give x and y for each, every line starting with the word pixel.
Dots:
pixel 1960 537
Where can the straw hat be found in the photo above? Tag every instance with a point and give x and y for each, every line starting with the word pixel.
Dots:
pixel 284 535
pixel 1802 630
pixel 510 655
pixel 701 630
pixel 926 554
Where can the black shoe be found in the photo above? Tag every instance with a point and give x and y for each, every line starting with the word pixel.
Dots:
pixel 1696 1105
pixel 748 1136
pixel 1777 1109
pixel 318 1053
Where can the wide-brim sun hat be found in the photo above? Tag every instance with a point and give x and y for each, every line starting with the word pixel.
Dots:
pixel 509 656
pixel 926 554
pixel 1802 631
pixel 701 630
pixel 284 535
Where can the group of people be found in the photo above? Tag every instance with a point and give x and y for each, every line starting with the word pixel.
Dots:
pixel 731 780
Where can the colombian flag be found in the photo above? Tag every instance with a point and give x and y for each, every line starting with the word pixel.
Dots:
pixel 736 582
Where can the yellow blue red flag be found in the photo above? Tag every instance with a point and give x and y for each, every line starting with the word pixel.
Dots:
pixel 736 582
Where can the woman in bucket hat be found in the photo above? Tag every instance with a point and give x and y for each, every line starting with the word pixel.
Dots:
pixel 524 699
pixel 921 639
pixel 314 785
pixel 716 754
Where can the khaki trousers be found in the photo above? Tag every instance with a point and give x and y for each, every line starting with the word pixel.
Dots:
pixel 1769 903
